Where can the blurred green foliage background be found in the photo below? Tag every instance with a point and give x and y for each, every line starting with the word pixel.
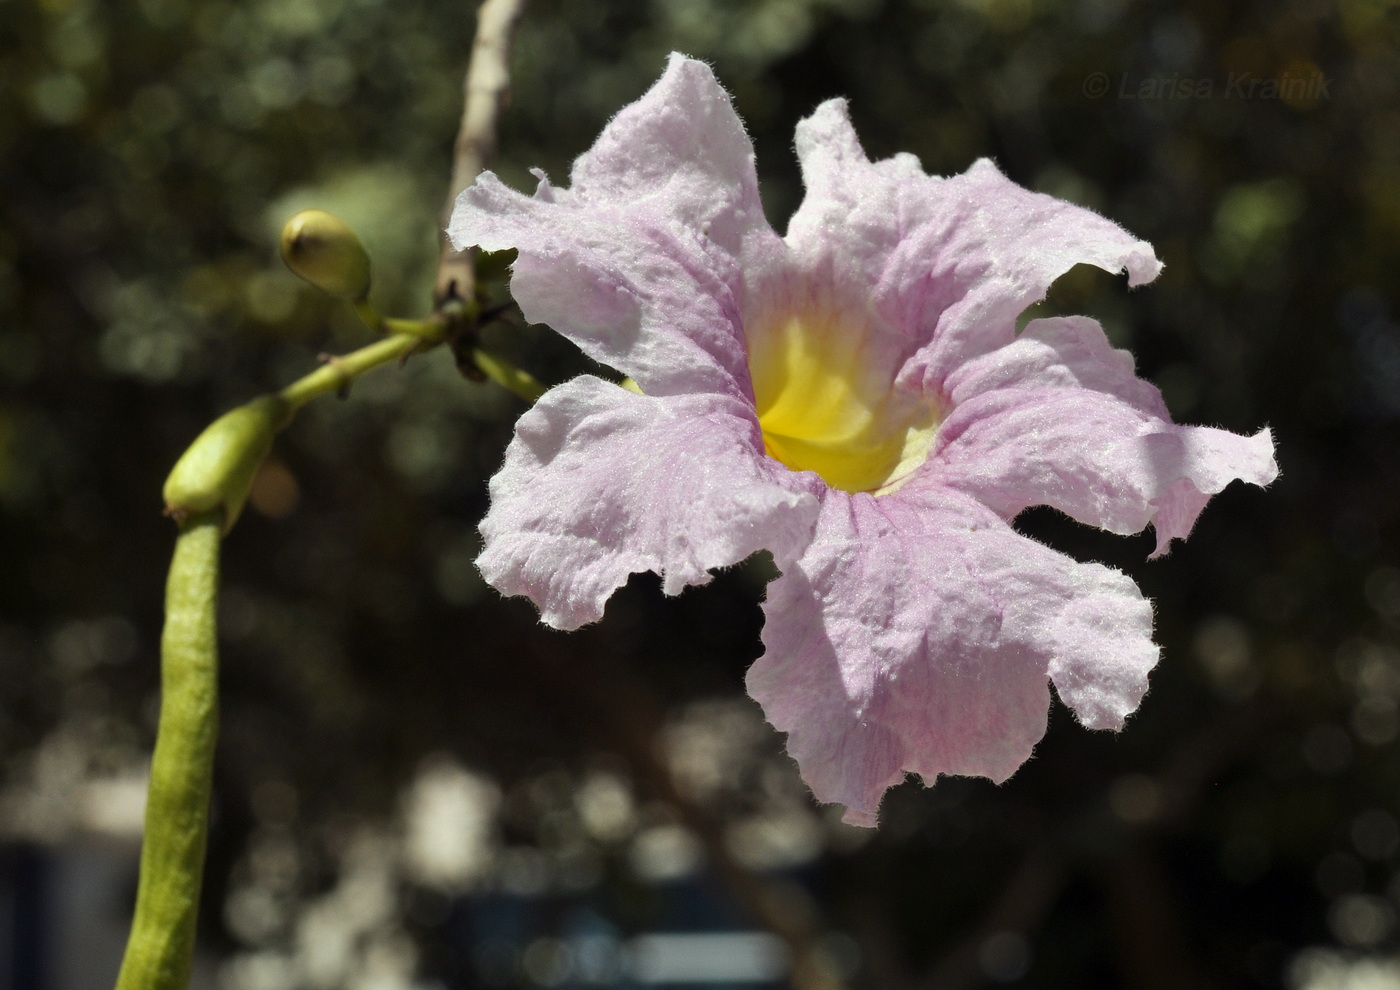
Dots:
pixel 405 755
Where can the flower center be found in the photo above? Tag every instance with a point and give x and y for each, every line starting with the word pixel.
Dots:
pixel 826 401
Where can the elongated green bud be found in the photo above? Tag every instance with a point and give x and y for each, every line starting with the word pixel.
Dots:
pixel 160 948
pixel 324 250
pixel 217 470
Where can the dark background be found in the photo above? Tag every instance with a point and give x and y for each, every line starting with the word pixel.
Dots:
pixel 1241 832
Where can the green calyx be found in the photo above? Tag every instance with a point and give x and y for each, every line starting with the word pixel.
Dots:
pixel 217 470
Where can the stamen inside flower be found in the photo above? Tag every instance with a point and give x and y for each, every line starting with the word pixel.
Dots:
pixel 826 402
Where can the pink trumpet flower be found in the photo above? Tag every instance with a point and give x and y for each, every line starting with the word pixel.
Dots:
pixel 854 398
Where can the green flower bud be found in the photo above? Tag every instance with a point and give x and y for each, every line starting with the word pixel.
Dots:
pixel 325 251
pixel 216 472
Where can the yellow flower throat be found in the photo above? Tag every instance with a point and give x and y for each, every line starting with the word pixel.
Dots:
pixel 827 403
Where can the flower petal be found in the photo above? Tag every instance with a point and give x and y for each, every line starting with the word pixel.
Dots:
pixel 600 483
pixel 917 634
pixel 1059 417
pixel 681 143
pixel 1093 456
pixel 1203 461
pixel 949 263
pixel 640 263
pixel 1070 351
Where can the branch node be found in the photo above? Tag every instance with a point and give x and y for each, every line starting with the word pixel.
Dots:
pixel 335 361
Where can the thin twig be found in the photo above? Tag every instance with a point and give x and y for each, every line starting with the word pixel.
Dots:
pixel 485 93
pixel 625 717
pixel 1154 950
pixel 1024 901
pixel 1050 865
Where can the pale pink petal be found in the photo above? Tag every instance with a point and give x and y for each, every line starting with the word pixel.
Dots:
pixel 948 263
pixel 1091 455
pixel 683 146
pixel 1070 351
pixel 600 483
pixel 642 261
pixel 918 634
pixel 1059 417
pixel 1203 462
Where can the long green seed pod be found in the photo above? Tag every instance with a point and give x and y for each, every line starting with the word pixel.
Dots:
pixel 161 946
pixel 217 470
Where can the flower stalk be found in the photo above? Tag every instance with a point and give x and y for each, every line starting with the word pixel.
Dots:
pixel 338 373
pixel 210 483
pixel 204 493
pixel 507 375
